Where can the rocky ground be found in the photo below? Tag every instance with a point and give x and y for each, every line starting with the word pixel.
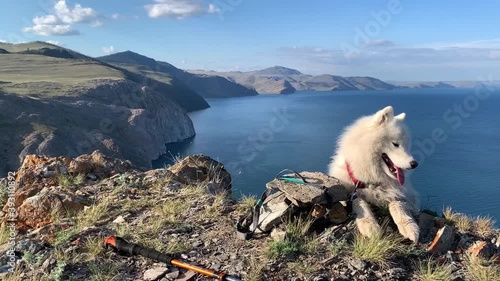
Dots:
pixel 66 208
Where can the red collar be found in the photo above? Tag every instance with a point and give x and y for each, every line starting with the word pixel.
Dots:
pixel 357 183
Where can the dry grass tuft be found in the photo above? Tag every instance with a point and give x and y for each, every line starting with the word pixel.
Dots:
pixel 449 215
pixel 256 267
pixel 376 248
pixel 246 203
pixel 104 271
pixel 171 210
pixel 483 226
pixel 463 223
pixel 94 246
pixel 432 271
pixel 302 269
pixel 479 269
pixel 93 214
pixel 4 234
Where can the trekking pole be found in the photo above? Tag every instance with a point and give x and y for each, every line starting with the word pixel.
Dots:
pixel 120 245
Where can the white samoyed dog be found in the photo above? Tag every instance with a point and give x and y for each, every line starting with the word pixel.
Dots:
pixel 373 153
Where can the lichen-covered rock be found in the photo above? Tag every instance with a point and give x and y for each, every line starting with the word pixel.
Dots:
pixel 38 210
pixel 199 168
pixel 98 164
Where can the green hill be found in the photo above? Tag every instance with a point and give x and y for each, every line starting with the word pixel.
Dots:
pixel 44 70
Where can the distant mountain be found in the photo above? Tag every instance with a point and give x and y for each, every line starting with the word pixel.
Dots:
pixel 282 80
pixel 208 86
pixel 425 85
pixel 276 71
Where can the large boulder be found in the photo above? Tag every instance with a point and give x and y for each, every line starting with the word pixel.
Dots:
pixel 39 210
pixel 201 169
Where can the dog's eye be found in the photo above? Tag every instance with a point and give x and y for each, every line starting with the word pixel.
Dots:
pixel 395 144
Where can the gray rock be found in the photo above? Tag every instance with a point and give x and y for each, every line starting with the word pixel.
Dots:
pixel 155 273
pixel 188 276
pixel 425 223
pixel 197 243
pixel 358 264
pixel 173 274
pixel 443 240
pixel 29 245
pixel 119 219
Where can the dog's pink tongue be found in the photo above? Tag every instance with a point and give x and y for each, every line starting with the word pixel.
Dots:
pixel 400 174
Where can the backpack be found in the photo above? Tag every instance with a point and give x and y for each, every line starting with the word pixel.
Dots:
pixel 290 193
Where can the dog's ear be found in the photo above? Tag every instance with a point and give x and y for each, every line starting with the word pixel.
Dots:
pixel 383 116
pixel 401 117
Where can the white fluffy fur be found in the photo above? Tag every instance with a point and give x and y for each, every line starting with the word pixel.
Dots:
pixel 362 145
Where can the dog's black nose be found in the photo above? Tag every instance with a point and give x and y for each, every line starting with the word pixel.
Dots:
pixel 413 164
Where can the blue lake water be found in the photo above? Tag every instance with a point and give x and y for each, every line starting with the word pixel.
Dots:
pixel 256 137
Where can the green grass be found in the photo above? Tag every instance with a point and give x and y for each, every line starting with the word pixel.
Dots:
pixel 57 273
pixel 48 76
pixel 430 270
pixel 64 236
pixel 36 45
pixel 93 214
pixel 67 180
pixel 94 246
pixel 295 241
pixel 376 248
pixel 338 247
pixel 171 210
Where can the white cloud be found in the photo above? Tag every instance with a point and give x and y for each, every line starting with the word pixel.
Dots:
pixel 179 9
pixel 109 50
pixel 48 30
pixel 46 20
pixel 213 9
pixel 115 16
pixel 75 15
pixel 3 41
pixel 61 22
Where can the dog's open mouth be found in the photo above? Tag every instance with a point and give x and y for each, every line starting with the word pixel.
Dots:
pixel 397 172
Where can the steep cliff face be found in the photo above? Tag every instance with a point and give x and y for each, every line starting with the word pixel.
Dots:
pixel 121 118
pixel 207 86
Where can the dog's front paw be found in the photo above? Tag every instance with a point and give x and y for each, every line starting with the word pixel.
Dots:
pixel 368 227
pixel 409 229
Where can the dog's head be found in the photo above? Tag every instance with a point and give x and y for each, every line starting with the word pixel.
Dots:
pixel 393 143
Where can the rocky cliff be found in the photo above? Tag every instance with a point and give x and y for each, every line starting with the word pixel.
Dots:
pixel 208 86
pixel 118 117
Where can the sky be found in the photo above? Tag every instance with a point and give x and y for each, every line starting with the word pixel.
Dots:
pixel 394 40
